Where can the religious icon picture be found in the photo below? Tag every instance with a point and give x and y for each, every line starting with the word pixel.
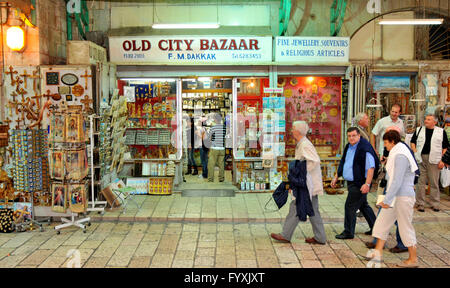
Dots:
pixel 69 98
pixel 73 169
pixel 74 129
pixel 57 165
pixel 77 198
pixel 57 128
pixel 59 201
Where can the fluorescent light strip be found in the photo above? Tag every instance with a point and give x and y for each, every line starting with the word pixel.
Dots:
pixel 411 21
pixel 186 26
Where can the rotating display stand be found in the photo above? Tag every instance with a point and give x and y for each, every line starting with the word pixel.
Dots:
pixel 68 144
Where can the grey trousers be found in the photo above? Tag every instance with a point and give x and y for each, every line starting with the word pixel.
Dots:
pixel 431 173
pixel 292 221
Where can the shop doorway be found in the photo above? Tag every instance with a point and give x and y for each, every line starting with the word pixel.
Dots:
pixel 207 136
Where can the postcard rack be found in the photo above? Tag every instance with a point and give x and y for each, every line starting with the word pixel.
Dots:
pixel 69 167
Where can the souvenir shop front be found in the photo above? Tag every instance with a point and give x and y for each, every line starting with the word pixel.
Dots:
pixel 50 151
pixel 167 81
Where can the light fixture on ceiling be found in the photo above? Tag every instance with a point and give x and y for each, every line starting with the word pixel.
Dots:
pixel 186 26
pixel 411 21
pixel 376 105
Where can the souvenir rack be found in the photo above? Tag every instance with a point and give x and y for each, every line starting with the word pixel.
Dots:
pixel 68 157
pixel 30 171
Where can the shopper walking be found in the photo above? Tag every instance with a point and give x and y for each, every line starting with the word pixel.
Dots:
pixel 217 151
pixel 305 151
pixel 358 165
pixel 429 143
pixel 400 170
pixel 385 122
pixel 361 121
pixel 399 247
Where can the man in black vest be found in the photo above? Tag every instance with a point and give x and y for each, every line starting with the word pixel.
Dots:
pixel 358 166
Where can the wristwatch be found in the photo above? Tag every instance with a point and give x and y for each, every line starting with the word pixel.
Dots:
pixel 367 184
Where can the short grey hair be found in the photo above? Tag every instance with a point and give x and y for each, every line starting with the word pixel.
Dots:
pixel 432 115
pixel 358 118
pixel 301 126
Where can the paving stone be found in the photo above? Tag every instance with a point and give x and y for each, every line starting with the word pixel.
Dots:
pixel 182 263
pixel 161 261
pixel 96 262
pixel 311 264
pixel 53 262
pixel 204 261
pixel 37 257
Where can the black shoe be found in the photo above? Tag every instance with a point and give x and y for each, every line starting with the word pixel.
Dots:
pixel 421 209
pixel 436 209
pixel 195 172
pixel 396 249
pixel 368 232
pixel 188 172
pixel 344 236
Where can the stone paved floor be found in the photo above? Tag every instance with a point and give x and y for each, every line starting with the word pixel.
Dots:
pixel 171 231
pixel 244 207
pixel 224 245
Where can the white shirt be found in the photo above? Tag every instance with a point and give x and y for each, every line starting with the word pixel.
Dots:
pixel 305 151
pixel 380 129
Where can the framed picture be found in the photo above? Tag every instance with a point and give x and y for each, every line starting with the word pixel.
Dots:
pixel 69 98
pixel 257 166
pixel 267 163
pixel 74 163
pixel 64 90
pixel 77 198
pixel 74 128
pixel 59 200
pixel 57 130
pixel 52 78
pixel 57 160
pixel 219 84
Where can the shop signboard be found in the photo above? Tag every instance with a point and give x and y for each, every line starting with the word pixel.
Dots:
pixel 187 50
pixel 313 50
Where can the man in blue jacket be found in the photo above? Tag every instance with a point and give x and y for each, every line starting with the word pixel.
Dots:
pixel 358 166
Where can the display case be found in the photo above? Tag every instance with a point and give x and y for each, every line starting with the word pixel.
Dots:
pixel 152 119
pixel 259 126
pixel 152 132
pixel 264 143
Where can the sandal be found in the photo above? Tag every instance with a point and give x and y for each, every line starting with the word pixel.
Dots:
pixel 405 265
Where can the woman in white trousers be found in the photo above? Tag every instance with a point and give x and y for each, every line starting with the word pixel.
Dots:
pixel 398 204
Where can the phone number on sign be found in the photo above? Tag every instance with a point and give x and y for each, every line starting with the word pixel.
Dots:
pixel 133 56
pixel 246 56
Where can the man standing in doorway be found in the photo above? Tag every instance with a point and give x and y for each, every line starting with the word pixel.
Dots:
pixel 429 143
pixel 305 151
pixel 385 122
pixel 362 122
pixel 217 151
pixel 358 165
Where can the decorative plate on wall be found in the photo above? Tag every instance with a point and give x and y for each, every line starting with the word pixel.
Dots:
pixel 69 79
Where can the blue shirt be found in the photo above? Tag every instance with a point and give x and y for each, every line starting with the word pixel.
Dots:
pixel 348 164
